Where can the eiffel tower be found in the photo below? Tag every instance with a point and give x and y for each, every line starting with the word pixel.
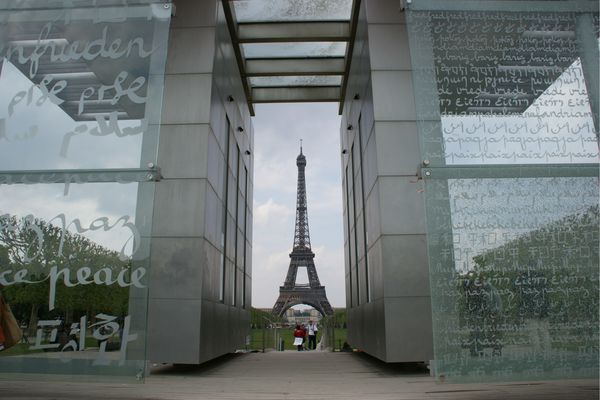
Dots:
pixel 291 294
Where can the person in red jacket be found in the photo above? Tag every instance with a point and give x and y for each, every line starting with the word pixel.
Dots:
pixel 299 334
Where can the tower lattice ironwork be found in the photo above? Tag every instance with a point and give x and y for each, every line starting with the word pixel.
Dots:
pixel 291 293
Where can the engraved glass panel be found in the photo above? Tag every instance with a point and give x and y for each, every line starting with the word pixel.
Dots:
pixel 514 277
pixel 506 88
pixel 81 86
pixel 506 96
pixel 74 268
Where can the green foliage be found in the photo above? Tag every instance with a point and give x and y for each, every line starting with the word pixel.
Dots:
pixel 339 317
pixel 260 318
pixel 550 272
pixel 37 246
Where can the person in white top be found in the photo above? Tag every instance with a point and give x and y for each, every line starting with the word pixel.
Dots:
pixel 312 335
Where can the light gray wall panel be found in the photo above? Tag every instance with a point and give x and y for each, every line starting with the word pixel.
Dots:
pixel 194 13
pixel 397 148
pixel 401 206
pixel 186 99
pixel 179 208
pixel 362 281
pixel 219 330
pixel 405 265
pixel 384 12
pixel 408 327
pixel 368 331
pixel 218 117
pixel 213 217
pixel 387 52
pixel 183 151
pixel 176 268
pixel 373 214
pixel 393 98
pixel 188 50
pixel 174 327
pixel 376 273
pixel 211 273
pixel 215 165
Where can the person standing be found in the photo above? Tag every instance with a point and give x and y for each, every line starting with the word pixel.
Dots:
pixel 299 334
pixel 312 335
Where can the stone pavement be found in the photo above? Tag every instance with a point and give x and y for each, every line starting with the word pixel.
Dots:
pixel 294 375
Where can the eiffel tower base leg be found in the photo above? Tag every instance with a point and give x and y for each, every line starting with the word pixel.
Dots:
pixel 314 297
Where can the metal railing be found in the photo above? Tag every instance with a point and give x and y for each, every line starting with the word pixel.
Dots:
pixel 269 337
pixel 272 335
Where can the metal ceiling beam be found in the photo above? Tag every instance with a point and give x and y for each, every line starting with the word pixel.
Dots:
pixel 349 51
pixel 232 26
pixel 273 32
pixel 294 66
pixel 296 94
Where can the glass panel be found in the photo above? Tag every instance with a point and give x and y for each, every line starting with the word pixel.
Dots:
pixel 292 50
pixel 78 90
pixel 514 277
pixel 275 81
pixel 74 262
pixel 513 232
pixel 508 88
pixel 292 10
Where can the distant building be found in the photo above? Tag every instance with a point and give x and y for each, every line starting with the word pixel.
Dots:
pixel 302 316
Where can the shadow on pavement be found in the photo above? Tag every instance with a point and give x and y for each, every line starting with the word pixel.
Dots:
pixel 392 369
pixel 206 368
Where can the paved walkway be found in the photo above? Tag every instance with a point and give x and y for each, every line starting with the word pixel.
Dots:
pixel 296 375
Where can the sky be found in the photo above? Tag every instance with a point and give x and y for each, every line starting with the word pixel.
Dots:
pixel 278 129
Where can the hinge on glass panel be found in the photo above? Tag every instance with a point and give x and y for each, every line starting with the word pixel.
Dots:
pixel 170 6
pixel 422 169
pixel 154 174
pixel 404 4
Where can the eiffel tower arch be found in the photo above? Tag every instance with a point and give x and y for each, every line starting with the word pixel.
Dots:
pixel 291 293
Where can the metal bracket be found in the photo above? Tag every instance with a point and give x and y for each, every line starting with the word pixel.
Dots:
pixel 122 175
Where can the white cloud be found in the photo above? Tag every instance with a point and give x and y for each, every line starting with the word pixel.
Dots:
pixel 270 212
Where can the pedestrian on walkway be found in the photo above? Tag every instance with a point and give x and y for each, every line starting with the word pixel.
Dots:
pixel 299 334
pixel 312 335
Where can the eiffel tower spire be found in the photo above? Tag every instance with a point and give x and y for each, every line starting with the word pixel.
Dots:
pixel 301 234
pixel 291 294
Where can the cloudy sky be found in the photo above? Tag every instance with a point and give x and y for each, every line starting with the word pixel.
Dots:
pixel 278 129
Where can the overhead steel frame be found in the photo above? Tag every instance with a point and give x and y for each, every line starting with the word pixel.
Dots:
pixel 292 32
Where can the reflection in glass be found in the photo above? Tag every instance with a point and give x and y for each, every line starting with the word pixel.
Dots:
pixel 77 90
pixel 515 277
pixel 504 108
pixel 72 265
pixel 510 87
pixel 80 90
